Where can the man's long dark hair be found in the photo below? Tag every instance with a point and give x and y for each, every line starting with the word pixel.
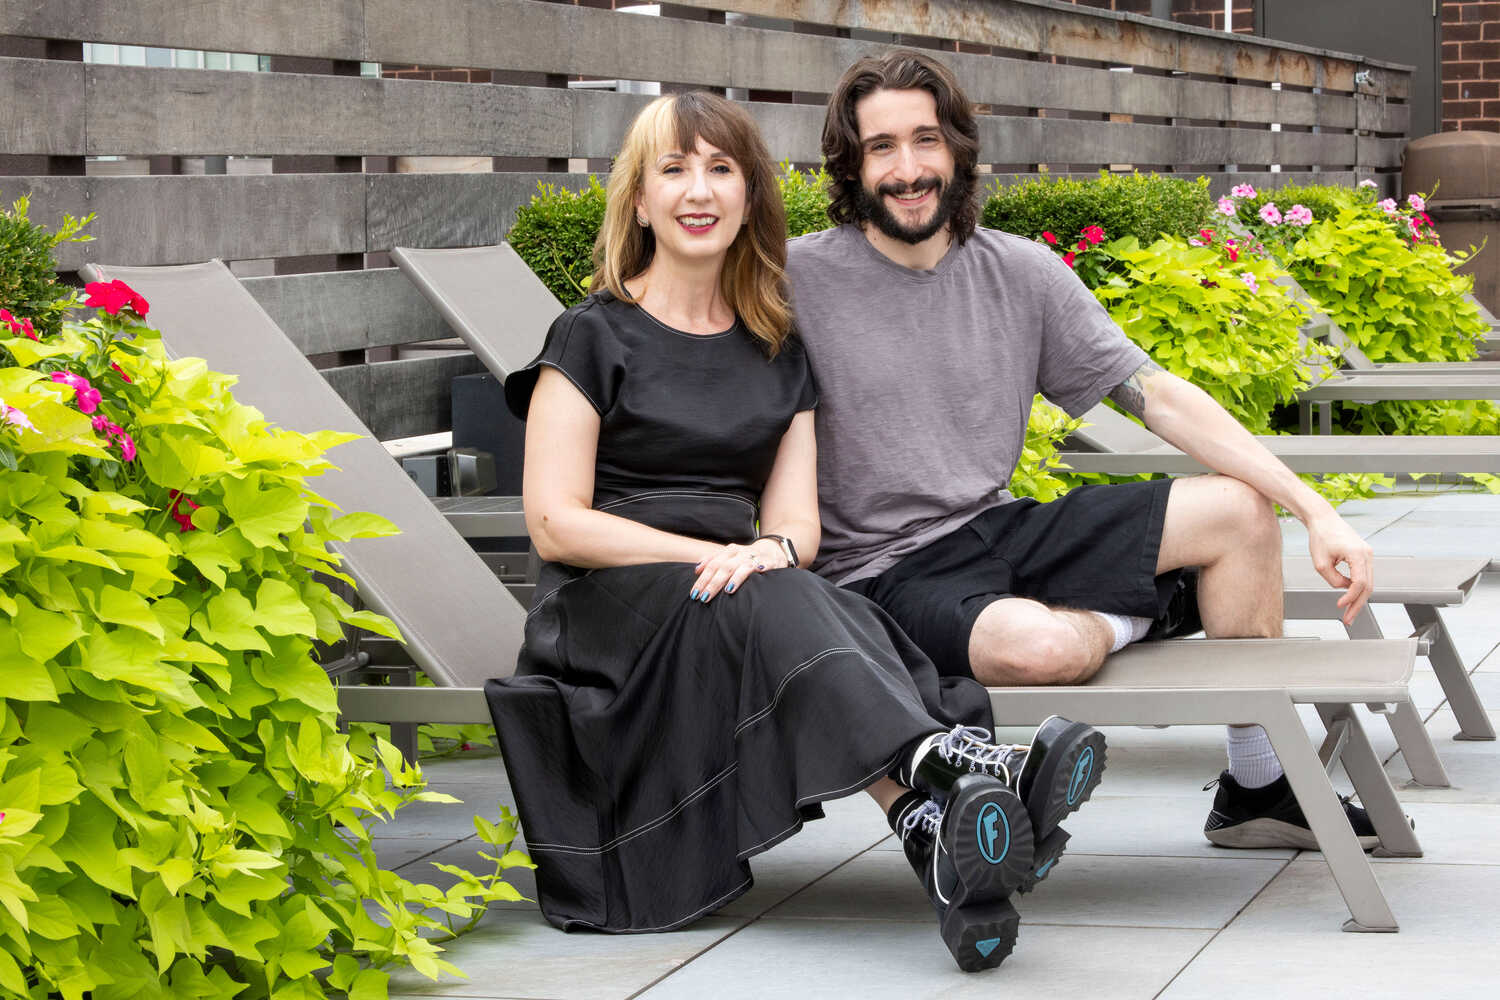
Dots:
pixel 901 69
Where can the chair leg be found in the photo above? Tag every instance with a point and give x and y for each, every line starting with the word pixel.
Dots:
pixel 1325 816
pixel 1473 723
pixel 1372 784
pixel 1416 747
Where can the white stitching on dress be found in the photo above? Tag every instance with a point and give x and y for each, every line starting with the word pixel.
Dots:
pixel 646 827
pixel 632 498
pixel 750 720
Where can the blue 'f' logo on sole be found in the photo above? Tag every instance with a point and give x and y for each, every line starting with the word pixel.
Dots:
pixel 1082 771
pixel 994 834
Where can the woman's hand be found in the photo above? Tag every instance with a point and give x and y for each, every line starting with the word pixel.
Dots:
pixel 732 565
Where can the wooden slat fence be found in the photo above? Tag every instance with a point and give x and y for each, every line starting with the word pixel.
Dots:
pixel 1063 89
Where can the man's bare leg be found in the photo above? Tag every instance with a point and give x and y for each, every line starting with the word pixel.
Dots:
pixel 1212 522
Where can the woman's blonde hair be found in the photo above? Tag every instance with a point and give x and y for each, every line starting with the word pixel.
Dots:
pixel 755 267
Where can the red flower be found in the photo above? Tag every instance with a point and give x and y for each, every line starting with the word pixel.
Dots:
pixel 121 373
pixel 1234 253
pixel 1069 257
pixel 18 327
pixel 1049 238
pixel 1207 235
pixel 1093 234
pixel 183 516
pixel 1083 244
pixel 113 296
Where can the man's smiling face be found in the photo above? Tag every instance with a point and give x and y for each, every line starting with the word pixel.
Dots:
pixel 906 174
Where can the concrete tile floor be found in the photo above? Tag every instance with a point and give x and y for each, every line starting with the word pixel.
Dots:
pixel 1141 906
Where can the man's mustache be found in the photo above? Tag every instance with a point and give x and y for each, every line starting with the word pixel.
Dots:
pixel 928 183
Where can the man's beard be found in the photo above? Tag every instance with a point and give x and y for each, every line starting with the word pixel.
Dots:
pixel 872 208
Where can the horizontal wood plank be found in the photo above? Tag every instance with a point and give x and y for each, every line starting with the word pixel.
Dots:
pixel 41 110
pixel 403 398
pixel 348 310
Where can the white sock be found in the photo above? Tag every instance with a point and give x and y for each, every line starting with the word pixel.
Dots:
pixel 1126 628
pixel 1252 762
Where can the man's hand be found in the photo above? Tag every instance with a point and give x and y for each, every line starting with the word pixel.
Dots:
pixel 1332 542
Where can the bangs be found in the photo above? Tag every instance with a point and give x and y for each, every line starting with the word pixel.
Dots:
pixel 676 124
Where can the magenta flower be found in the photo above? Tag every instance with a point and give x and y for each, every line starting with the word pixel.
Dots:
pixel 84 394
pixel 1270 214
pixel 1416 203
pixel 1050 238
pixel 1242 191
pixel 18 327
pixel 1069 257
pixel 15 418
pixel 115 434
pixel 1299 215
pixel 1093 234
pixel 1226 206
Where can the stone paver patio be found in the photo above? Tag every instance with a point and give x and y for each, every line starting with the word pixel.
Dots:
pixel 1140 907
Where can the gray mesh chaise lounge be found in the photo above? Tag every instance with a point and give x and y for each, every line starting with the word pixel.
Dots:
pixel 488 293
pixel 461 624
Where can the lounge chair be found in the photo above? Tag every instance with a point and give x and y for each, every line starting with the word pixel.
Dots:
pixel 1422 586
pixel 461 625
pixel 1184 682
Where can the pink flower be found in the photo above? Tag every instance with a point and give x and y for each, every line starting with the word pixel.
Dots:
pixel 1299 215
pixel 1083 245
pixel 115 434
pixel 1416 227
pixel 1388 206
pixel 15 418
pixel 1069 257
pixel 1250 281
pixel 1416 202
pixel 1093 234
pixel 1242 191
pixel 112 296
pixel 1226 206
pixel 1270 214
pixel 1195 241
pixel 84 394
pixel 182 515
pixel 127 446
pixel 1367 183
pixel 1050 238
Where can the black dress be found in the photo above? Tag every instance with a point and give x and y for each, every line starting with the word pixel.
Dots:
pixel 654 743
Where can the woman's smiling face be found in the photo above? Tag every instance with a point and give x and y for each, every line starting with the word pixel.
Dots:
pixel 694 201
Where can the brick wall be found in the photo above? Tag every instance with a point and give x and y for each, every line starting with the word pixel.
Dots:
pixel 1201 13
pixel 1471 66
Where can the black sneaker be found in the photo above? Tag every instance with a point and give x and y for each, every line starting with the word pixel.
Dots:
pixel 1053 776
pixel 976 919
pixel 1181 616
pixel 1270 817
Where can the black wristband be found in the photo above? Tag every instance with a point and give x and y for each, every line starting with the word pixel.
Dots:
pixel 787 548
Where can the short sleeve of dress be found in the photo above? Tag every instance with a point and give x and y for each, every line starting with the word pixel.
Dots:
pixel 796 360
pixel 581 345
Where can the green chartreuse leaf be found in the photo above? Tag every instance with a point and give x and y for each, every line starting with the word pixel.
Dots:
pixel 231 622
pixel 22 676
pixel 261 512
pixel 280 610
pixel 125 607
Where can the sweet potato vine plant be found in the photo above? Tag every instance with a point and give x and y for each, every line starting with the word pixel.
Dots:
pixel 179 815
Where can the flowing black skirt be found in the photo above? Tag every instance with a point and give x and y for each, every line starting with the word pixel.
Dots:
pixel 655 743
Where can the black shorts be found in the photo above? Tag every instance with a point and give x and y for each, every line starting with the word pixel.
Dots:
pixel 1094 549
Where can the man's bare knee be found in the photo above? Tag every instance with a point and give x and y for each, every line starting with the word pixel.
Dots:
pixel 1020 643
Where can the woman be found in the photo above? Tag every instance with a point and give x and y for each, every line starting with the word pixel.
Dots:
pixel 686 695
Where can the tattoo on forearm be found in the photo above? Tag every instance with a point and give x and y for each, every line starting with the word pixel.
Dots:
pixel 1131 394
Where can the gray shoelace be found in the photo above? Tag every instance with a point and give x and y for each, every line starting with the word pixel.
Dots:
pixel 928 815
pixel 970 746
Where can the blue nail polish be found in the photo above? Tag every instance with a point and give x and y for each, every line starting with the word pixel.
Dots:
pixel 729 589
pixel 694 595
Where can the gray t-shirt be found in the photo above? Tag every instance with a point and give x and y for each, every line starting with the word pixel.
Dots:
pixel 925 380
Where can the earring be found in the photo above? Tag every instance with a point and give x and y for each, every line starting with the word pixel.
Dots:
pixel 643 222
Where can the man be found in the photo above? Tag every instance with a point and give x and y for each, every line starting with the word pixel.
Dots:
pixel 928 338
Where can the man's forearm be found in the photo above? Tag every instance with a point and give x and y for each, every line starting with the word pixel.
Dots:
pixel 1191 420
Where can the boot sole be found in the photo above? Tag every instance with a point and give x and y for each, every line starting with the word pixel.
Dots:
pixel 1071 767
pixel 1268 833
pixel 987 837
pixel 1045 855
pixel 982 935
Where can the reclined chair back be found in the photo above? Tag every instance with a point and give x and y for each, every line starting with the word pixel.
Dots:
pixel 460 624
